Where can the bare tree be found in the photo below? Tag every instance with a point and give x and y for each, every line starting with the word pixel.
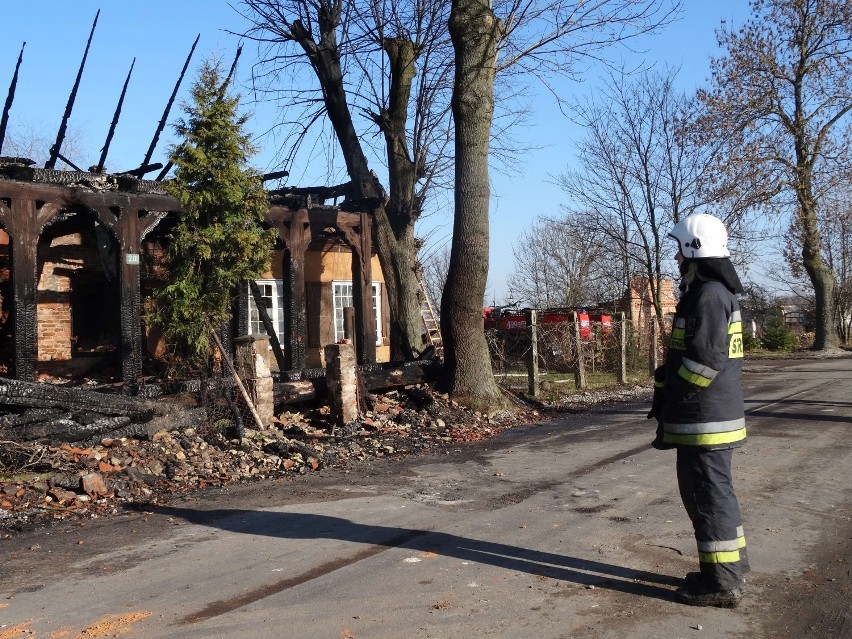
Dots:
pixel 638 174
pixel 335 37
pixel 835 228
pixel 779 99
pixel 380 66
pixel 557 264
pixel 542 37
pixel 435 266
pixel 26 141
pixel 474 30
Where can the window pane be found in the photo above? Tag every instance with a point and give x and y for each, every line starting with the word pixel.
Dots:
pixel 271 292
pixel 342 293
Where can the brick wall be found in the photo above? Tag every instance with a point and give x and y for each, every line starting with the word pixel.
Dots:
pixel 641 309
pixel 59 258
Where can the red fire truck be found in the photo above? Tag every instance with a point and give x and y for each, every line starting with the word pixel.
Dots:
pixel 514 320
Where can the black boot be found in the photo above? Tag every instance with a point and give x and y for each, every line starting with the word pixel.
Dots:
pixel 698 592
pixel 692 579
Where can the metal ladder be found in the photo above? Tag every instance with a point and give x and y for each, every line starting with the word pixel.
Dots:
pixel 430 321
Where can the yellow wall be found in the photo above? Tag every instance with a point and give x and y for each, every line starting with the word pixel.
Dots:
pixel 328 266
pixel 323 266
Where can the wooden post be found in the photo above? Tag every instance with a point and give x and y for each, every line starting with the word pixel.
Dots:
pixel 532 357
pixel 294 230
pixel 349 325
pixel 622 349
pixel 359 240
pixel 580 371
pixel 654 346
pixel 296 238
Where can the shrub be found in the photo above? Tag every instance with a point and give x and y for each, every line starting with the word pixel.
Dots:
pixel 777 336
pixel 750 343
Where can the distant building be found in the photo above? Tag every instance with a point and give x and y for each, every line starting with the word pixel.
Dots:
pixel 638 306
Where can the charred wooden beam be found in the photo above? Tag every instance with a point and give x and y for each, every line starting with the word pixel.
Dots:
pixel 380 377
pixel 142 170
pixel 116 115
pixel 161 176
pixel 64 429
pixel 29 417
pixel 227 81
pixel 321 193
pixel 69 162
pixel 60 136
pixel 275 175
pixel 21 393
pixel 10 97
pixel 178 420
pixel 76 427
pixel 268 325
pixel 168 108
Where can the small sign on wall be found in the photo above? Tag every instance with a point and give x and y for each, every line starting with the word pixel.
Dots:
pixel 132 258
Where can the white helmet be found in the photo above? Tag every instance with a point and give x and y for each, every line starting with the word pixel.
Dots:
pixel 701 235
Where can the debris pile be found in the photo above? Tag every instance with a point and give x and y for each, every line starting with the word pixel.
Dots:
pixel 54 479
pixel 38 412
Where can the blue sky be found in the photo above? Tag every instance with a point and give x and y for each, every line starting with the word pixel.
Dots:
pixel 159 35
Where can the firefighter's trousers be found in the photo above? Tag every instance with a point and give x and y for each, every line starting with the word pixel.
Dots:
pixel 707 491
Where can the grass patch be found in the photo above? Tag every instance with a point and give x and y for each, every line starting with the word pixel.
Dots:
pixel 553 386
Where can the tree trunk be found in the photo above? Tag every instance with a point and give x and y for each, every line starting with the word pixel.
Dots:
pixel 396 228
pixel 822 279
pixel 474 30
pixel 397 255
pixel 394 219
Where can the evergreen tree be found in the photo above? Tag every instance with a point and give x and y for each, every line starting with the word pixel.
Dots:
pixel 777 336
pixel 218 241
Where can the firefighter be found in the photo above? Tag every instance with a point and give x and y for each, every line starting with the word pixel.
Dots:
pixel 699 406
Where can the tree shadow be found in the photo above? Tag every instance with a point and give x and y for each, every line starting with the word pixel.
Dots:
pixel 309 526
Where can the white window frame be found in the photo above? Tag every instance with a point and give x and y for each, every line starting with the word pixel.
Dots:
pixel 336 301
pixel 255 325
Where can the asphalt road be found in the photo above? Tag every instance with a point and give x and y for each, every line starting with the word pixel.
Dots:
pixel 572 528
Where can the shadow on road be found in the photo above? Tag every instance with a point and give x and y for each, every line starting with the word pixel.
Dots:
pixel 380 538
pixel 774 409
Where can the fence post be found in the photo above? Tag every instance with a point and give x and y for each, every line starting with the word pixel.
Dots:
pixel 580 371
pixel 532 354
pixel 622 349
pixel 653 362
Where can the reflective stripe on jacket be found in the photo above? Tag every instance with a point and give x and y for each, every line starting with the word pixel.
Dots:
pixel 703 371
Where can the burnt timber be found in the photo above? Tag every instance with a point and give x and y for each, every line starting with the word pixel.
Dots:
pixel 298 227
pixel 129 208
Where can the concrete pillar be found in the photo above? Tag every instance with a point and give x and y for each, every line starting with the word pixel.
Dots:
pixel 252 359
pixel 341 376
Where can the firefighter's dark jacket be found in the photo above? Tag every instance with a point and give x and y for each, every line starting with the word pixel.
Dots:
pixel 703 401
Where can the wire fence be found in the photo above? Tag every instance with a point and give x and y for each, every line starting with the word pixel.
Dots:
pixel 585 354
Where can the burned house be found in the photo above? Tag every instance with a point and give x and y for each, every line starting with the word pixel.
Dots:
pixel 81 252
pixel 71 254
pixel 323 264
